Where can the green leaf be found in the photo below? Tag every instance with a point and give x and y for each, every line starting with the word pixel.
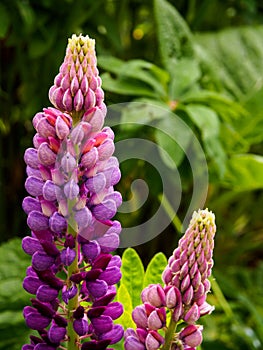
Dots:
pixel 173 137
pixel 244 172
pixel 239 77
pixel 186 73
pixel 4 21
pixel 174 36
pixel 144 112
pixel 155 269
pixel 132 274
pixel 126 86
pixel 124 298
pixel 208 123
pixel 137 70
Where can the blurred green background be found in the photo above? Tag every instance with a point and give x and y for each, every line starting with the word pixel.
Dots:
pixel 203 61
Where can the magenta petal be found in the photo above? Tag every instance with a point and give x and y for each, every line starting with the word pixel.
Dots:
pixel 29 204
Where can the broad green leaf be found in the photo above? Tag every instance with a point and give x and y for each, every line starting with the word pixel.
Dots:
pixel 144 112
pixel 173 138
pixel 186 73
pixel 208 123
pixel 244 172
pixel 155 269
pixel 239 76
pixel 124 298
pixel 132 274
pixel 205 119
pixel 126 86
pixel 174 36
pixel 145 71
pixel 110 63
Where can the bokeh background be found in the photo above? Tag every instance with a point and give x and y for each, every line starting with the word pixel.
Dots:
pixel 201 60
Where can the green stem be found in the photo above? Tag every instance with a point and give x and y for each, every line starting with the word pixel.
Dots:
pixel 73 303
pixel 169 335
pixel 221 298
pixel 170 212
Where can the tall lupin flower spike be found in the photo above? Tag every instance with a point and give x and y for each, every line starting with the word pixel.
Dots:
pixel 184 293
pixel 71 174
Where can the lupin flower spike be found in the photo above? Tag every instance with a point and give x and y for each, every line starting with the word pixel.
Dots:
pixel 186 285
pixel 71 203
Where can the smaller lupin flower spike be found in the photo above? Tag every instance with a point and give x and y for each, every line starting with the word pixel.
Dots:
pixel 190 265
pixel 77 87
pixel 184 294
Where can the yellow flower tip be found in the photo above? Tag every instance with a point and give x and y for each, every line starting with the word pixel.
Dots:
pixel 204 218
pixel 81 43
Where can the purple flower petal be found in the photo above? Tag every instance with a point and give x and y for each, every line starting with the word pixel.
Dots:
pixel 109 242
pixel 41 261
pixel 114 310
pixel 102 324
pixel 57 223
pixel 96 183
pixel 111 275
pixel 71 189
pixel 97 288
pixel 30 245
pixel 83 217
pixel 37 221
pixel 115 335
pixel 91 250
pixel 56 334
pixel 34 186
pixel 31 158
pixel 80 326
pixel 67 256
pixel 35 320
pixel 31 284
pixel 46 293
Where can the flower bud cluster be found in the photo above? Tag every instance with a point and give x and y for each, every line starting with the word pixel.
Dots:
pixel 190 266
pixel 71 176
pixel 184 293
pixel 77 87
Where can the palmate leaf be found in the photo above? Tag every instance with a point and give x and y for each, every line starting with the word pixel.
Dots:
pixel 155 269
pixel 132 275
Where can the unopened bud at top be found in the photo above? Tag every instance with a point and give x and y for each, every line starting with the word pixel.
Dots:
pixel 77 87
